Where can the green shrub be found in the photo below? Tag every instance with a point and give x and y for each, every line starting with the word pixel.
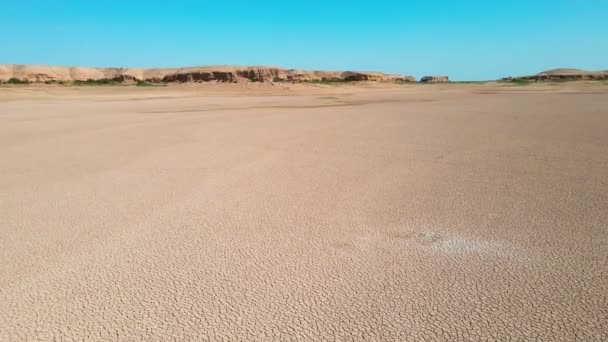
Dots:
pixel 520 82
pixel 102 81
pixel 404 82
pixel 14 80
pixel 328 81
pixel 468 82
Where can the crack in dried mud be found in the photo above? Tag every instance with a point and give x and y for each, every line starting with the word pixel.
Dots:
pixel 401 215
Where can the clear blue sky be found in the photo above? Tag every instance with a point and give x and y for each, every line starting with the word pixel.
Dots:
pixel 464 39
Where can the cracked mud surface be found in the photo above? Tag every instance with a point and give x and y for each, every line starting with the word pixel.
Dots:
pixel 405 215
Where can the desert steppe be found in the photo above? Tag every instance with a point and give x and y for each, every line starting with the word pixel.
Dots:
pixel 302 212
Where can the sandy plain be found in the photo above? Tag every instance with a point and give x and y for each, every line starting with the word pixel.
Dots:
pixel 304 213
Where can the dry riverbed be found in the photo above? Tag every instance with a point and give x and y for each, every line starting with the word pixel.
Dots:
pixel 458 212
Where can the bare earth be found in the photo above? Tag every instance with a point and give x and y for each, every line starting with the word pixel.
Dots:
pixel 327 213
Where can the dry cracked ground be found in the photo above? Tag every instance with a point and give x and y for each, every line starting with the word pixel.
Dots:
pixel 414 213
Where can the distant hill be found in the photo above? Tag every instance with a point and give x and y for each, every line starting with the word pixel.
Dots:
pixel 563 74
pixel 221 73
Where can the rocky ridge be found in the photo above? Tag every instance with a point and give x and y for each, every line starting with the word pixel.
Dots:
pixel 435 79
pixel 223 73
pixel 562 74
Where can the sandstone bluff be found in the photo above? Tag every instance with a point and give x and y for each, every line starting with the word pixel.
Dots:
pixel 434 79
pixel 223 73
pixel 562 74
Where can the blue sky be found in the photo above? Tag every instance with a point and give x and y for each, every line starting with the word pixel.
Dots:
pixel 468 40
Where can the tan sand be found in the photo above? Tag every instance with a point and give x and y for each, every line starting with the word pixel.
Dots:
pixel 294 213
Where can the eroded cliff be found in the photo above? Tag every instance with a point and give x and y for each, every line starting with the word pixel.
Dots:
pixel 223 73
